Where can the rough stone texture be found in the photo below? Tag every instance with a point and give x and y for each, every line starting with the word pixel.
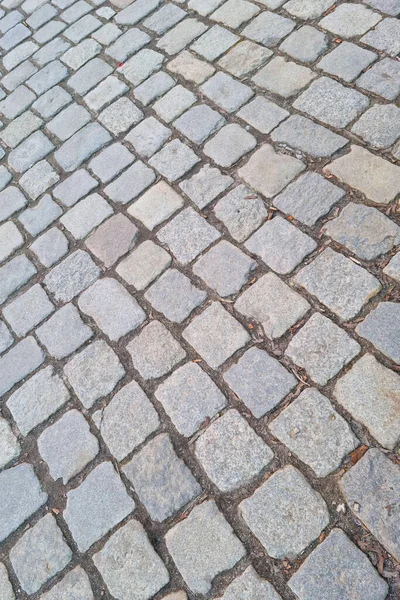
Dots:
pixel 156 205
pixel 373 485
pixel 130 566
pixel 205 185
pixel 262 114
pixel 189 397
pixel 5 585
pixel 268 28
pixel 231 453
pixel 382 79
pixel 305 44
pixel 73 275
pixel 64 332
pixel 113 239
pixel 144 264
pixel 174 160
pixel 381 328
pixel 241 211
pixel 96 506
pixel 127 420
pixel 215 335
pixel 296 513
pixel 347 61
pixel 326 571
pixel 161 480
pixel 343 286
pixel 244 57
pixel 283 77
pixel 379 126
pixel 94 372
pixel 226 92
pixel 273 304
pixel 393 267
pixel 306 136
pixel 74 586
pixel 350 20
pixel 312 429
pixel 175 296
pixel 199 122
pixel 68 446
pixel 322 349
pixel 229 145
pixel 370 393
pixel 28 310
pixel 155 351
pixel 9 445
pixel 250 585
pixel 20 361
pixel 202 546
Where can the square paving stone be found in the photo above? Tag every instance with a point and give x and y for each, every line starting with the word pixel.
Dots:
pixel 373 176
pixel 205 185
pixel 189 397
pixel 385 36
pixel 391 7
pixel 312 429
pixel 94 372
pixel 120 116
pixel 241 211
pixel 23 358
pixel 74 187
pixel 272 303
pixel 235 12
pixel 202 546
pixel 347 61
pixel 138 68
pixel 285 513
pixel 174 160
pixel 98 504
pixel 45 212
pixel 331 102
pixel 109 89
pixel 84 216
pixel 33 149
pixel 64 332
pixel 29 309
pixel 14 274
pixel 382 328
pixel 308 198
pixel 21 495
pixel 175 296
pixel 308 9
pixel 250 585
pixel 281 245
pixel 309 137
pixel 199 122
pixel 269 172
pixel 110 162
pixel 181 36
pixel 37 399
pixel 364 230
pixel 131 183
pixel 382 79
pixel 39 554
pixel 129 565
pixel 370 393
pixel 73 275
pixel 214 42
pixel 283 77
pixel 305 44
pixel 9 445
pixel 339 283
pixel 260 381
pixel 165 18
pixel 127 44
pixel 148 137
pixel 190 68
pixel 393 267
pixel 144 264
pixel 231 453
pixel 244 58
pixel 379 126
pixel 204 7
pixel 161 479
pixel 268 28
pixel 112 307
pixel 322 348
pixel 113 239
pixel 326 571
pixel 75 581
pixel 127 420
pixel 155 86
pixel 11 200
pixel 81 146
pixel 350 20
pixel 229 145
pixel 155 351
pixel 226 92
pixel 262 114
pixel 174 103
pixel 373 485
pixel 67 446
pixel 156 205
pixel 187 235
pixel 215 335
pixel 68 121
pixel 224 268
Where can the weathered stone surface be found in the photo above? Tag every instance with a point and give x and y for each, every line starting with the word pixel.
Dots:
pixel 74 586
pixel 312 429
pixel 229 145
pixel 283 77
pixel 14 274
pixel 305 44
pixel 174 295
pixel 244 58
pixel 9 445
pixel 381 328
pixel 343 286
pixel 113 239
pixel 5 585
pixel 350 20
pixel 379 126
pixel 373 485
pixel 205 185
pixel 231 453
pixel 296 513
pixel 249 585
pixel 98 504
pixel 129 565
pixel 73 275
pixel 393 267
pixel 370 393
pixel 189 397
pixel 268 28
pixel 326 571
pixel 144 264
pixel 382 79
pixel 21 495
pixel 161 480
pixel 347 61
pixel 156 205
pixel 20 361
pixel 28 310
pixel 226 92
pixel 306 136
pixel 64 332
pixel 174 160
pixel 262 114
pixel 203 545
pixel 241 211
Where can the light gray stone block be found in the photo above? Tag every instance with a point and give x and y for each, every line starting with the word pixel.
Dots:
pixel 205 185
pixel 305 135
pixel 305 44
pixel 69 121
pixel 28 310
pixel 347 61
pixel 131 183
pixel 144 264
pixel 268 28
pixel 111 161
pixel 226 92
pixel 379 126
pixel 154 87
pixel 262 114
pixel 9 449
pixel 87 214
pixel 74 187
pixel 199 122
pixel 74 586
pixel 148 137
pixel 250 585
pixel 229 145
pixel 156 205
pixel 64 332
pixel 14 274
pixel 50 247
pixel 350 20
pixel 113 239
pixel 241 211
pixel 5 585
pixel 214 42
pixel 81 146
pixel 181 35
pixel 175 296
pixel 19 362
pixel 10 240
pixel 174 160
pixel 381 328
pixel 245 57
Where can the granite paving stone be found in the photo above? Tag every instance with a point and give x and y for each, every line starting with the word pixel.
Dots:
pixel 393 267
pixel 347 61
pixel 148 137
pixel 131 183
pixel 214 42
pixel 268 28
pixel 174 160
pixel 199 122
pixel 64 332
pixel 305 135
pixel 249 584
pixel 112 239
pixel 203 187
pixel 226 92
pixel 156 205
pixel 381 328
pixel 28 310
pixel 144 265
pixel 9 445
pixel 174 103
pixel 379 126
pixel 190 67
pixel 245 57
pixel 155 86
pixel 75 583
pixel 175 296
pixel 350 20
pixel 5 584
pixel 241 211
pixel 283 77
pixel 383 79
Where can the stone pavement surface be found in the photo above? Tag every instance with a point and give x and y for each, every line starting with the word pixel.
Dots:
pixel 199 300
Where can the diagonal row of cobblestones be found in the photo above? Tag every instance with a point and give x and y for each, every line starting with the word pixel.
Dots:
pixel 199 296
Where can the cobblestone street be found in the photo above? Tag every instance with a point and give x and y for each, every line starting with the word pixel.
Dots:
pixel 199 300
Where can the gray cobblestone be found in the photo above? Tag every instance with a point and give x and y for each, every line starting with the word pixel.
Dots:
pixel 383 79
pixel 306 136
pixel 226 92
pixel 131 183
pixel 148 137
pixel 68 121
pixel 81 146
pixel 214 42
pixel 74 187
pixel 9 447
pixel 14 274
pixel 144 264
pixel 154 87
pixel 64 332
pixel 268 28
pixel 347 61
pixel 205 185
pixel 262 114
pixel 113 239
pixel 241 212
pixel 229 145
pixel 28 310
pixel 199 123
pixel 244 57
pixel 75 582
pixel 380 327
pixel 379 126
pixel 5 585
